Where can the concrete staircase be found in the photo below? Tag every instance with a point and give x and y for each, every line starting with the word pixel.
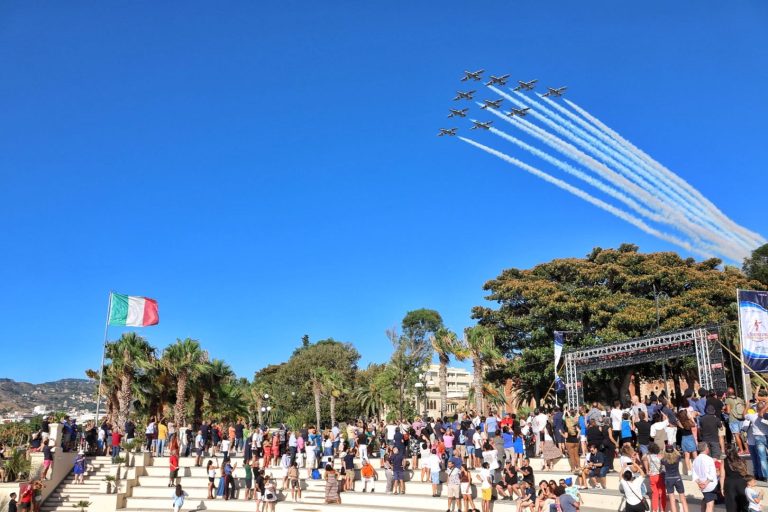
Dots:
pixel 67 494
pixel 152 493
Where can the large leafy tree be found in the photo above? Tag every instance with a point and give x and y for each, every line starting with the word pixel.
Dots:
pixel 444 343
pixel 419 323
pixel 186 361
pixel 128 356
pixel 610 295
pixel 756 266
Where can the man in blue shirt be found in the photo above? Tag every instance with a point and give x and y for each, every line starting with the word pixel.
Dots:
pixel 491 425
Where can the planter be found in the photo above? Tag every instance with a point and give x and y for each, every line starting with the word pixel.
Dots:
pixel 105 487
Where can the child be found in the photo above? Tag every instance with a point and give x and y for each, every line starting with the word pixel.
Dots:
pixel 12 503
pixel 178 498
pixel 293 481
pixel 486 486
pixel 368 474
pixel 754 496
pixel 173 464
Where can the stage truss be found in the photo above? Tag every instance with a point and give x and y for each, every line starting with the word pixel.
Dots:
pixel 701 342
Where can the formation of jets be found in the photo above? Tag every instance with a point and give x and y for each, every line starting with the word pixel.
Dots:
pixel 482 126
pixel 473 75
pixel 555 92
pixel 464 95
pixel 498 80
pixel 491 104
pixel 502 80
pixel 526 86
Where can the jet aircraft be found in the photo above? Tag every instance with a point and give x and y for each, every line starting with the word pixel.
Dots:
pixel 555 92
pixel 473 75
pixel 464 95
pixel 447 131
pixel 526 86
pixel 482 126
pixel 498 80
pixel 492 104
pixel 522 112
pixel 458 113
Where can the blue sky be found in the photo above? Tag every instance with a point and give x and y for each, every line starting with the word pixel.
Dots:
pixel 270 170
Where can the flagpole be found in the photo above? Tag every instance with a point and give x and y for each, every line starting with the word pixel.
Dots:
pixel 103 357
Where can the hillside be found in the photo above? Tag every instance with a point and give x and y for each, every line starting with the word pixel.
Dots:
pixel 59 395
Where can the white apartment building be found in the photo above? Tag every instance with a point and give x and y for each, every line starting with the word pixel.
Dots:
pixel 459 383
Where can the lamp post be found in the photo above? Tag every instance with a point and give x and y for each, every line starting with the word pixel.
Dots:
pixel 266 408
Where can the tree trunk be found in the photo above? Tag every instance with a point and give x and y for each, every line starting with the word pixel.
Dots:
pixel 333 410
pixel 477 384
pixel 442 378
pixel 181 397
pixel 197 412
pixel 316 392
pixel 624 389
pixel 124 399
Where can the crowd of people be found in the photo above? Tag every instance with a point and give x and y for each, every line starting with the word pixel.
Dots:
pixel 705 434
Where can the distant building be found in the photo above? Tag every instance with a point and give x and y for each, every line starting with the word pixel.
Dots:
pixel 459 383
pixel 40 409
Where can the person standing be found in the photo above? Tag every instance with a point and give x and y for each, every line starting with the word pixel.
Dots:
pixel 735 408
pixel 178 498
pixel 116 438
pixel 655 471
pixel 673 482
pixel 454 486
pixel 47 458
pixel 398 479
pixel 705 475
pixel 633 490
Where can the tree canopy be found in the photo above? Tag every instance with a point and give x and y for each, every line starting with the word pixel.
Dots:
pixel 608 296
pixel 756 266
pixel 417 324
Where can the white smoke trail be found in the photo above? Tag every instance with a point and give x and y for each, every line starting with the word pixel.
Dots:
pixel 581 175
pixel 650 182
pixel 756 238
pixel 720 222
pixel 646 181
pixel 672 217
pixel 628 217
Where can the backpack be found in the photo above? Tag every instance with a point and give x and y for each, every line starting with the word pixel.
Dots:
pixel 315 474
pixel 738 408
pixel 572 426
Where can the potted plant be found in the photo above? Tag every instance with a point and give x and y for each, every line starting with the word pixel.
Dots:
pixel 17 466
pixel 107 485
pixel 82 505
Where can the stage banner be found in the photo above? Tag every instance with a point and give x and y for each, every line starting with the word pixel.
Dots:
pixel 753 328
pixel 558 348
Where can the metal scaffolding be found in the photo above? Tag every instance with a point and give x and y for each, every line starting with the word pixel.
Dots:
pixel 701 342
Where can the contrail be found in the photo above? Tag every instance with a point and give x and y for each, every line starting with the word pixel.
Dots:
pixel 628 217
pixel 752 236
pixel 695 212
pixel 673 217
pixel 633 172
pixel 720 222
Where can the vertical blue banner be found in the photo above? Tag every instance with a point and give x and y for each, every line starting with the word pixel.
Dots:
pixel 753 327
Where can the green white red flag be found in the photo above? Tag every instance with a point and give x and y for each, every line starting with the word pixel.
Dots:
pixel 132 311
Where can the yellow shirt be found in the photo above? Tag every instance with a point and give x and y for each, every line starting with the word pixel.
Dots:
pixel 162 431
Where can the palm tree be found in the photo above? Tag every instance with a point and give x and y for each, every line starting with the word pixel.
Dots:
pixel 185 361
pixel 444 343
pixel 316 376
pixel 334 386
pixel 128 355
pixel 216 372
pixel 479 345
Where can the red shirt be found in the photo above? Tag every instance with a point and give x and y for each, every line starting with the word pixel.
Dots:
pixel 26 496
pixel 116 438
pixel 174 462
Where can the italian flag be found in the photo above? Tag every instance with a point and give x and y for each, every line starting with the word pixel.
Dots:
pixel 132 311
